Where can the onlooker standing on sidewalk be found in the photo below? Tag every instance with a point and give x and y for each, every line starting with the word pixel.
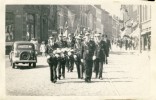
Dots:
pixel 35 42
pixel 43 48
pixel 126 44
pixel 108 47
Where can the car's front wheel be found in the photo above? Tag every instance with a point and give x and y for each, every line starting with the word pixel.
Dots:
pixel 34 65
pixel 29 64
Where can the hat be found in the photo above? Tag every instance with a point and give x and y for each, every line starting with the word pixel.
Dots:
pixel 50 37
pixel 84 37
pixel 69 34
pixel 78 37
pixel 97 34
pixel 87 34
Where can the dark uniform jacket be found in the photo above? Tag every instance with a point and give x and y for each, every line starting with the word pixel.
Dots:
pixel 49 51
pixel 77 49
pixel 62 44
pixel 71 43
pixel 88 49
pixel 100 51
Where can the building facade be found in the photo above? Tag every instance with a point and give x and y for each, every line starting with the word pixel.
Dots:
pixel 145 20
pixel 137 20
pixel 24 22
pixel 99 25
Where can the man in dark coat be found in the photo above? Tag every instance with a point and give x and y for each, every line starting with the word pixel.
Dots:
pixel 52 59
pixel 108 47
pixel 100 56
pixel 61 44
pixel 77 57
pixel 88 49
pixel 126 44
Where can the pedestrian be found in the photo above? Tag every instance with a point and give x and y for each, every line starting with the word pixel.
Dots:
pixel 77 57
pixel 100 52
pixel 62 43
pixel 43 48
pixel 52 60
pixel 88 48
pixel 35 42
pixel 108 47
pixel 126 44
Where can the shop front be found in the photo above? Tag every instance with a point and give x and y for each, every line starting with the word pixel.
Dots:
pixel 146 40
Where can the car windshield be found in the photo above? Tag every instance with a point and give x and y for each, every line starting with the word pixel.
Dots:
pixel 25 46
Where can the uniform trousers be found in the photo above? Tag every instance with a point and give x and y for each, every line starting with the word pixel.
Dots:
pixel 53 66
pixel 88 69
pixel 98 67
pixel 61 67
pixel 79 66
pixel 70 63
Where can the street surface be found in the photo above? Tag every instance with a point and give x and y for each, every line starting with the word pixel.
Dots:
pixel 127 74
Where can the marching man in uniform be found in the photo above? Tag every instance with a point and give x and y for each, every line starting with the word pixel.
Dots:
pixel 70 58
pixel 77 57
pixel 100 55
pixel 52 59
pixel 62 44
pixel 88 49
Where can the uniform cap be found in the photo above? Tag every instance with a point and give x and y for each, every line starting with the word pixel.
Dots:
pixel 50 37
pixel 87 34
pixel 78 37
pixel 60 35
pixel 97 34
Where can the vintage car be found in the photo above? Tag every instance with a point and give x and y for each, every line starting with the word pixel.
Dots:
pixel 23 52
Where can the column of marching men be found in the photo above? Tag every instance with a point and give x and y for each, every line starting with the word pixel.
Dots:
pixel 88 53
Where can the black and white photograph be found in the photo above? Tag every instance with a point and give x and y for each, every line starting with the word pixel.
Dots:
pixel 78 49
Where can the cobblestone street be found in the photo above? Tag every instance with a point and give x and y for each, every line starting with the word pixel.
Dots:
pixel 127 74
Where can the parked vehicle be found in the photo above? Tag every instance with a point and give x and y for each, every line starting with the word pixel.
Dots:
pixel 23 52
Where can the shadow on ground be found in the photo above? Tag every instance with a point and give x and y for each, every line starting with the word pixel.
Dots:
pixel 121 52
pixel 30 67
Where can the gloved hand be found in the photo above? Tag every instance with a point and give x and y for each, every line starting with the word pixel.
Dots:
pixel 62 55
pixel 94 57
pixel 75 56
pixel 82 60
pixel 56 55
pixel 69 53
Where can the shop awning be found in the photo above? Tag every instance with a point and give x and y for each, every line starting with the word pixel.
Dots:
pixel 135 33
pixel 145 32
pixel 125 32
pixel 134 24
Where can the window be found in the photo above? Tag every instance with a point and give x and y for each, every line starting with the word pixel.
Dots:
pixel 145 12
pixel 9 26
pixel 30 27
